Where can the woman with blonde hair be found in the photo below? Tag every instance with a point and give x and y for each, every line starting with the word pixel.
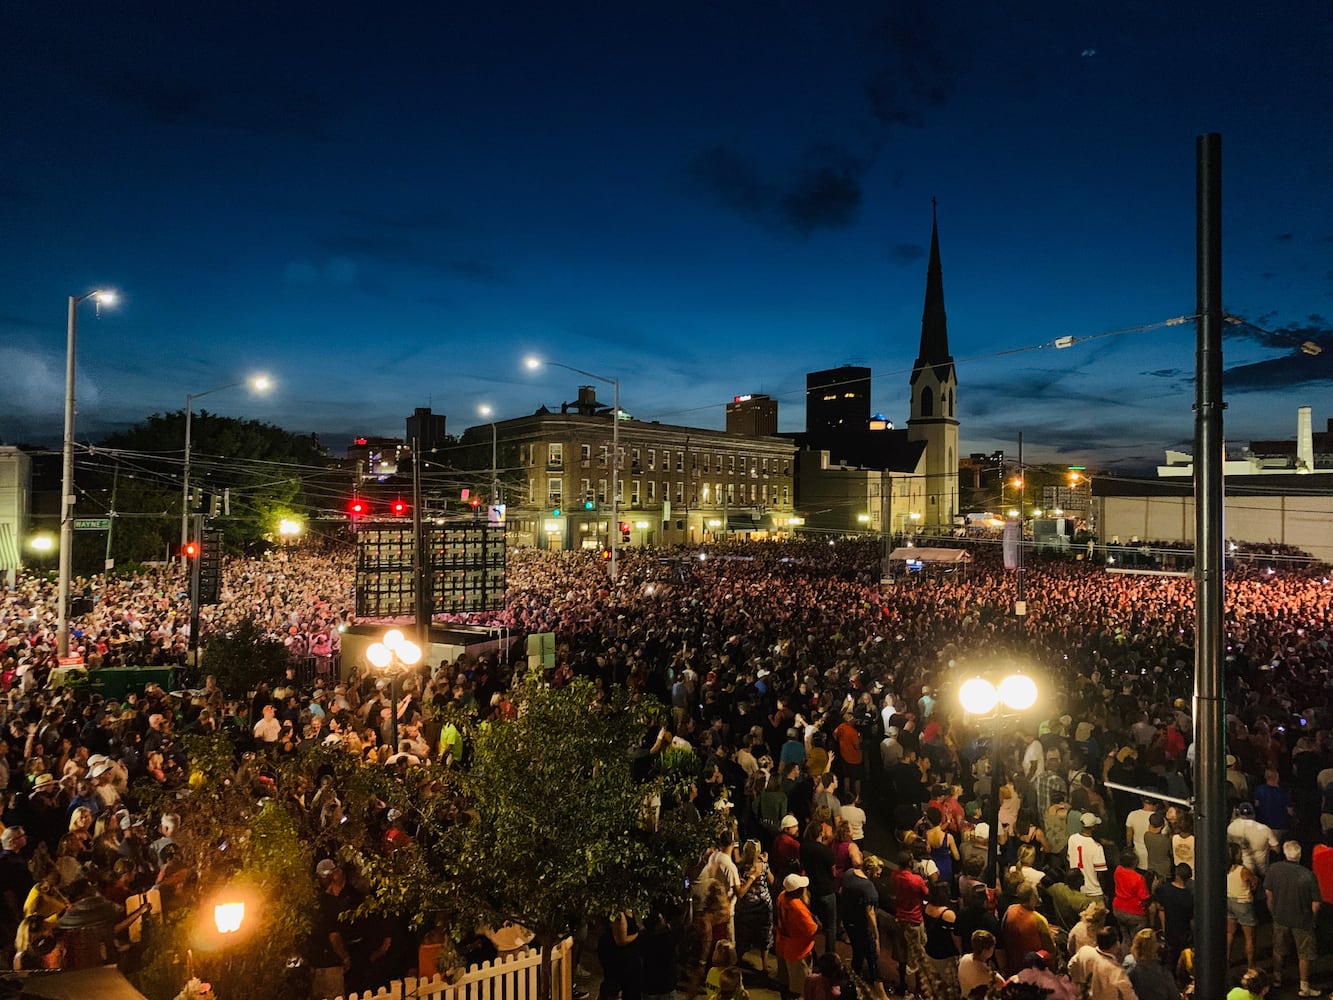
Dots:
pixel 1241 883
pixel 1151 979
pixel 1091 920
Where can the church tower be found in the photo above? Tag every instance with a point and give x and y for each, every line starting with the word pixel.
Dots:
pixel 934 418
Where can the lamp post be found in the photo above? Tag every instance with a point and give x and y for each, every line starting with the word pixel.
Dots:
pixel 101 297
pixel 534 363
pixel 486 411
pixel 257 383
pixel 980 696
pixel 393 650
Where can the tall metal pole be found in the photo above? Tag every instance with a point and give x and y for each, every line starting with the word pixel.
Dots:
pixel 1209 684
pixel 111 515
pixel 997 779
pixel 615 479
pixel 1020 603
pixel 420 564
pixel 495 467
pixel 185 478
pixel 67 482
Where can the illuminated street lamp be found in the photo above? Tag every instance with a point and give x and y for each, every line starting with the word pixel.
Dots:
pixel 486 411
pixel 101 297
pixel 535 363
pixel 228 917
pixel 980 696
pixel 288 528
pixel 391 655
pixel 257 383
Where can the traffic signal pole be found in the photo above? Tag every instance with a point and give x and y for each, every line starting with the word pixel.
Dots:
pixel 194 562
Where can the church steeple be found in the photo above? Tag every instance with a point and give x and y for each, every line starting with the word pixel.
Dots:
pixel 934 350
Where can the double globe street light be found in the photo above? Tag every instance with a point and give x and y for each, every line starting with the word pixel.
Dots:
pixel 979 696
pixel 391 655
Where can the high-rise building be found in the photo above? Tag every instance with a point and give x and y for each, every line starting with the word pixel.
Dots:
pixel 837 399
pixel 754 414
pixel 425 430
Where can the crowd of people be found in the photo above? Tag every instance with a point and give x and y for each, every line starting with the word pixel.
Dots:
pixel 822 703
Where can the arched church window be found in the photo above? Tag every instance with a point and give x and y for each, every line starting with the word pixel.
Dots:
pixel 927 402
pixel 951 413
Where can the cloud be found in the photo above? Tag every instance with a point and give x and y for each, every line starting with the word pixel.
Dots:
pixel 1284 237
pixel 822 191
pixel 174 101
pixel 916 70
pixel 1171 373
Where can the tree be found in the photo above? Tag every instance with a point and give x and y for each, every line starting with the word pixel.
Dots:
pixel 546 827
pixel 239 844
pixel 243 657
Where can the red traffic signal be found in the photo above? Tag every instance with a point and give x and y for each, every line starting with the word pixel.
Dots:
pixel 191 550
pixel 357 507
pixel 398 508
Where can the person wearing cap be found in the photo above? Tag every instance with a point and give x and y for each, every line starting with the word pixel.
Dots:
pixel 1086 854
pixel 786 850
pixel 796 932
pixel 1255 839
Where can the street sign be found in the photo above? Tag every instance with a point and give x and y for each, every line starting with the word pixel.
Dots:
pixel 92 524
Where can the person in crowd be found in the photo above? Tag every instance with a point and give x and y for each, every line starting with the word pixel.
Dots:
pixel 1255 839
pixel 1241 883
pixel 976 969
pixel 1293 900
pixel 1254 985
pixel 1176 902
pixel 1037 971
pixel 1150 977
pixel 1099 968
pixel 1130 904
pixel 796 932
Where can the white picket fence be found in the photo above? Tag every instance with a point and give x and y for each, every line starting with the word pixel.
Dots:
pixel 509 977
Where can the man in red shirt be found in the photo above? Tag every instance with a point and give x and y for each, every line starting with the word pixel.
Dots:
pixel 911 891
pixel 849 762
pixel 786 851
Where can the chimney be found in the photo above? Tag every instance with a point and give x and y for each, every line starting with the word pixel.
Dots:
pixel 587 396
pixel 1304 440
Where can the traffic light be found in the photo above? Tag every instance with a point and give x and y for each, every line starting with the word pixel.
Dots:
pixel 191 550
pixel 555 511
pixel 357 508
pixel 589 503
pixel 398 508
pixel 624 531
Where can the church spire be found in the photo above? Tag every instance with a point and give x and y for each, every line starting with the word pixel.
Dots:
pixel 934 350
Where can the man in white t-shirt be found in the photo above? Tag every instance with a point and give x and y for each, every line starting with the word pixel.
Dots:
pixel 1136 825
pixel 1088 856
pixel 1034 757
pixel 1255 839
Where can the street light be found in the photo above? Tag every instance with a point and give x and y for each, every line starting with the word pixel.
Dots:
pixel 228 917
pixel 257 383
pixel 535 363
pixel 393 648
pixel 486 411
pixel 980 696
pixel 101 297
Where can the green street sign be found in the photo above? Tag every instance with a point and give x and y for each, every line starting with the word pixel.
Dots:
pixel 92 524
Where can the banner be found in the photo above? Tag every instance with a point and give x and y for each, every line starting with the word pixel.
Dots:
pixel 1011 529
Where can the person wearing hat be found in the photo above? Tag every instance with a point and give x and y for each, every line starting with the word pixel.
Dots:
pixel 1255 839
pixel 796 932
pixel 786 850
pixel 1086 854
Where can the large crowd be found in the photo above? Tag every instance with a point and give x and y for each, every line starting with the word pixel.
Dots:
pixel 823 705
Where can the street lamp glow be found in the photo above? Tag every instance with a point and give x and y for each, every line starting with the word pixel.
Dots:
pixel 408 652
pixel 379 655
pixel 484 409
pixel 106 297
pixel 1013 513
pixel 532 362
pixel 863 518
pixel 228 917
pixel 392 638
pixel 978 696
pixel 41 543
pixel 1018 692
pixel 289 528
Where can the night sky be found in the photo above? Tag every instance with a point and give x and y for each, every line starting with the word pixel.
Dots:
pixel 386 206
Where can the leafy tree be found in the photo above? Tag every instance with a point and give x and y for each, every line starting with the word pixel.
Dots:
pixel 239 845
pixel 546 827
pixel 243 657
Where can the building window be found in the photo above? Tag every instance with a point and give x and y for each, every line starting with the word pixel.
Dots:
pixel 634 493
pixel 652 460
pixel 601 491
pixel 694 494
pixel 585 453
pixel 585 489
pixel 680 491
pixel 731 492
pixel 636 458
pixel 786 466
pixel 765 466
pixel 555 487
pixel 532 491
pixel 555 453
pixel 927 402
pixel 786 497
pixel 731 464
pixel 765 493
pixel 652 491
pixel 707 491
pixel 602 453
pixel 754 493
pixel 680 461
pixel 694 461
pixel 620 491
pixel 718 494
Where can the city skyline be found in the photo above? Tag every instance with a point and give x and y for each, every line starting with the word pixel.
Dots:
pixel 702 202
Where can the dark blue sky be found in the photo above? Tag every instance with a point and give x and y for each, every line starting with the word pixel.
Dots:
pixel 388 206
